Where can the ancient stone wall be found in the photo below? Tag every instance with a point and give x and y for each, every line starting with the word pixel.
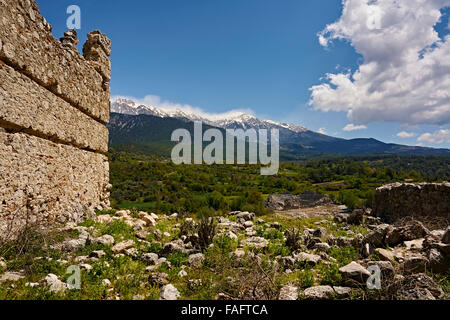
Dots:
pixel 54 104
pixel 395 201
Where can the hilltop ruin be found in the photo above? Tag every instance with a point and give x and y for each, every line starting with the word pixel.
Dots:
pixel 54 104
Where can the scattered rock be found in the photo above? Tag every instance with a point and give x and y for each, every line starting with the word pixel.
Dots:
pixel 385 255
pixel 342 292
pixel 122 246
pixel 159 279
pixel 419 287
pixel 55 284
pixel 354 274
pixel 11 276
pixel 386 268
pixel 415 264
pixel 105 240
pixel 97 254
pixel 256 242
pixel 169 292
pixel 319 293
pixel 106 282
pixel 438 262
pixel 320 233
pixel 3 265
pixel 322 247
pixel 309 258
pixel 105 218
pixel 196 260
pixel 288 293
pixel 150 258
pixel 172 247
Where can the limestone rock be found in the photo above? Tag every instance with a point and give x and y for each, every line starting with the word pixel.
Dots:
pixel 319 293
pixel 11 276
pixel 354 274
pixel 150 258
pixel 415 264
pixel 310 259
pixel 288 293
pixel 55 284
pixel 256 242
pixel 122 246
pixel 105 240
pixel 196 260
pixel 169 292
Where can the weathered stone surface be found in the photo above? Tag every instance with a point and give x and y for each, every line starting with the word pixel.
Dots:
pixel 54 283
pixel 419 287
pixel 256 242
pixel 415 264
pixel 318 293
pixel 53 104
pixel 439 263
pixel 11 276
pixel 196 260
pixel 122 246
pixel 29 47
pixel 310 259
pixel 24 105
pixel 169 292
pixel 399 200
pixel 354 274
pixel 105 240
pixel 342 292
pixel 387 269
pixel 48 182
pixel 385 255
pixel 150 258
pixel 288 293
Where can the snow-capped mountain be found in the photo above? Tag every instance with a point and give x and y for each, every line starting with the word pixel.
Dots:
pixel 234 120
pixel 134 127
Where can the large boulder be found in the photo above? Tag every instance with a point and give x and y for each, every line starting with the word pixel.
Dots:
pixel 354 274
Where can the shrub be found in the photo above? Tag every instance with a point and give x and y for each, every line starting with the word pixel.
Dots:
pixel 293 239
pixel 206 232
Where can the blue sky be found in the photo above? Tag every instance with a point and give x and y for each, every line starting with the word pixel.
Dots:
pixel 222 55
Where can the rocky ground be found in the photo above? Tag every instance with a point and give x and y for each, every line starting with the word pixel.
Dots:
pixel 287 256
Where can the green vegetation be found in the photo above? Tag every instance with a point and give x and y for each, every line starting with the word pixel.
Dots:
pixel 154 184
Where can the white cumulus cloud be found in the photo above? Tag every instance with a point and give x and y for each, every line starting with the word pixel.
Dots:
pixel 405 134
pixel 438 137
pixel 322 131
pixel 352 127
pixel 405 76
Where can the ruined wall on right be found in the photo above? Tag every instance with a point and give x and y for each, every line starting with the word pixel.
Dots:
pixel 399 200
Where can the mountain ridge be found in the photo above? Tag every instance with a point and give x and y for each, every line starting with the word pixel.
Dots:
pixel 145 126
